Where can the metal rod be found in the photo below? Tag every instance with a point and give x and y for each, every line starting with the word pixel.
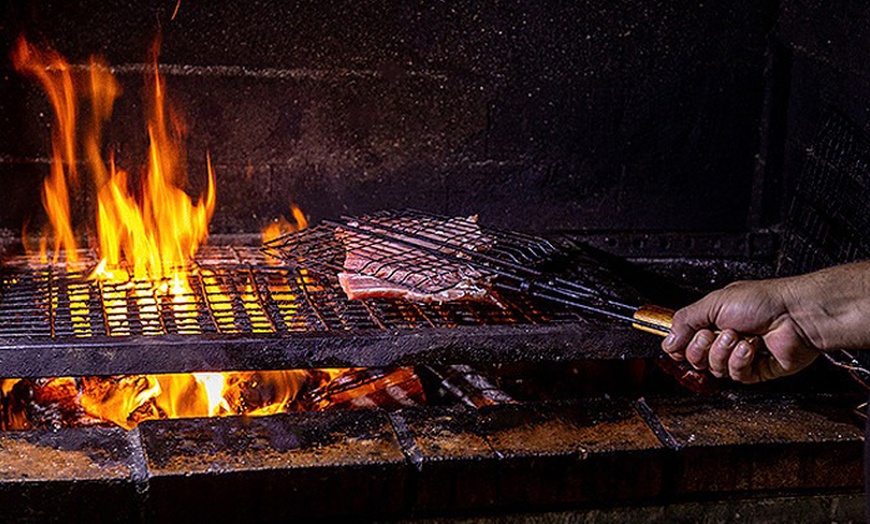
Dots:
pixel 598 309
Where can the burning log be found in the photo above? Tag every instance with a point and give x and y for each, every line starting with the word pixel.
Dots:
pixel 43 403
pixel 128 400
pixel 368 388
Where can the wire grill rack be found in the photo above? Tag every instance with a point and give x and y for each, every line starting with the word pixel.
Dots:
pixel 441 245
pixel 231 290
pixel 828 222
pixel 428 253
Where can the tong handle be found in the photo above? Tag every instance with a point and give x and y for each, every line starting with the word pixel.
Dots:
pixel 655 319
pixel 658 321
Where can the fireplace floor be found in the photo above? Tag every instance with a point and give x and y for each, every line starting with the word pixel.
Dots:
pixel 610 457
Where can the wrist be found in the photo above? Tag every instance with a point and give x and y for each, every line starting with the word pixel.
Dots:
pixel 831 307
pixel 805 312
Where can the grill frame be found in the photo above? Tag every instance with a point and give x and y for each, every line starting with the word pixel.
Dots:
pixel 554 334
pixel 375 348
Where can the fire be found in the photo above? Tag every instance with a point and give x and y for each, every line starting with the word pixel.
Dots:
pixel 150 233
pixel 146 235
pixel 127 401
pixel 282 226
pixel 53 74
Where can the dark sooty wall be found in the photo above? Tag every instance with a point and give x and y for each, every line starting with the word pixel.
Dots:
pixel 826 52
pixel 825 134
pixel 537 115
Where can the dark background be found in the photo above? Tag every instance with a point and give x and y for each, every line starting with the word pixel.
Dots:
pixel 680 116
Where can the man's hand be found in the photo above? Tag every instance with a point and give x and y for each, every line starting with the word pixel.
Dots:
pixel 741 311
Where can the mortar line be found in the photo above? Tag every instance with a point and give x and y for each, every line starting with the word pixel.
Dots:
pixel 336 73
pixel 412 452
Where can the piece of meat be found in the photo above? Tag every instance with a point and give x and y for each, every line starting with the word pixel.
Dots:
pixel 375 267
pixel 358 287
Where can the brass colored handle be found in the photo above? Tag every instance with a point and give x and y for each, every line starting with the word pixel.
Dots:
pixel 656 319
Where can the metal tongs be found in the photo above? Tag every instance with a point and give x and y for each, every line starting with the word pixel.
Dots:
pixel 415 242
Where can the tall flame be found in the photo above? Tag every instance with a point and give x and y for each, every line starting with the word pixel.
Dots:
pixel 157 233
pixel 53 73
pixel 148 233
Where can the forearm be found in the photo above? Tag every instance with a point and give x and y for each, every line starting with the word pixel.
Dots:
pixel 832 306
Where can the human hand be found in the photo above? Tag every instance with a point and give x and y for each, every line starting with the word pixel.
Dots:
pixel 759 309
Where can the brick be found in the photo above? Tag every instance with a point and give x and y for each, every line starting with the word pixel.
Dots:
pixel 591 451
pixel 278 467
pixel 78 475
pixel 535 455
pixel 762 442
pixel 458 468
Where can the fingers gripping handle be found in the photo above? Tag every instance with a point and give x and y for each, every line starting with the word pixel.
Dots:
pixel 658 320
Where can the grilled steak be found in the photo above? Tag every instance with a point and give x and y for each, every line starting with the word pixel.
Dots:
pixel 413 260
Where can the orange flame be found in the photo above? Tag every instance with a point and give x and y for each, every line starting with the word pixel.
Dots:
pixel 153 231
pixel 53 74
pixel 159 232
pixel 282 226
pixel 128 400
